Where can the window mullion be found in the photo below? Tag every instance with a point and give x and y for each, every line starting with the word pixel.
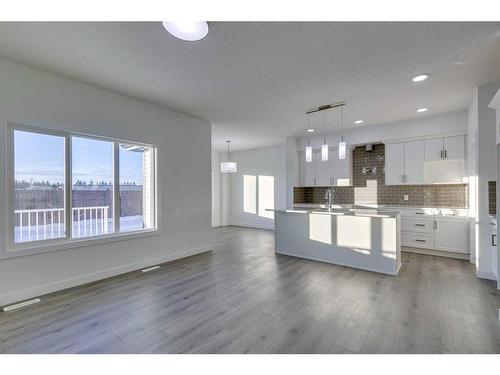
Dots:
pixel 116 188
pixel 68 188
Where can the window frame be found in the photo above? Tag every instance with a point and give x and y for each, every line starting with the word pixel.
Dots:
pixel 14 249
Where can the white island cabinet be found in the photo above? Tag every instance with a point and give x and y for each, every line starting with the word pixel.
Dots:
pixel 367 239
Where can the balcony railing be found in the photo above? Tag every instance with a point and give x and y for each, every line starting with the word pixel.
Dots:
pixel 42 224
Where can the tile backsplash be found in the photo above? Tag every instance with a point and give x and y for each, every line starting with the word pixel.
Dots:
pixel 492 197
pixel 370 188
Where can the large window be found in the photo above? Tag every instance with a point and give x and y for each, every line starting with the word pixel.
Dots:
pixel 39 186
pixel 136 199
pixel 69 186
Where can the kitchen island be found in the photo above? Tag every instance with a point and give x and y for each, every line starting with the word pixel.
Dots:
pixel 361 238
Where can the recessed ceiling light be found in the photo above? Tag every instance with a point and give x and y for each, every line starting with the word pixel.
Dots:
pixel 422 109
pixel 310 130
pixel 357 122
pixel 420 77
pixel 187 30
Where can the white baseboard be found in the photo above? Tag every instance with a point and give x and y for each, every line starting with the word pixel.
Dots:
pixel 39 290
pixel 252 225
pixel 482 274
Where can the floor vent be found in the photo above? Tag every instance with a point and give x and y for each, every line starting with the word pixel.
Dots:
pixel 149 269
pixel 21 304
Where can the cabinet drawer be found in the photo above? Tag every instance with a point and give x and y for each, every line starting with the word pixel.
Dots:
pixel 423 240
pixel 421 225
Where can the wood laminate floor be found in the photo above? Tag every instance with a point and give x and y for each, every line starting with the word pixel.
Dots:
pixel 242 298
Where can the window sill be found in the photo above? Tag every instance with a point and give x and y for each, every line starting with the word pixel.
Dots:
pixel 42 248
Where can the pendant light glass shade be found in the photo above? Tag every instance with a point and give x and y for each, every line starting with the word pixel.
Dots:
pixel 309 154
pixel 228 166
pixel 342 148
pixel 324 147
pixel 324 152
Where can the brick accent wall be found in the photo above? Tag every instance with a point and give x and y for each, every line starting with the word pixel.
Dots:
pixel 370 188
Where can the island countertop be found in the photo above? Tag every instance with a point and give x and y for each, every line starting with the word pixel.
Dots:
pixel 354 211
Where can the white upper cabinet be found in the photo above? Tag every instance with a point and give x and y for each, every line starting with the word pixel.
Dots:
pixel 341 170
pixel 414 162
pixel 445 160
pixel 307 171
pixel 322 170
pixel 434 149
pixel 447 148
pixel 331 172
pixel 394 164
pixel 454 148
pixel 404 163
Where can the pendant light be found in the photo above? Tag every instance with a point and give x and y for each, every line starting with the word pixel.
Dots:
pixel 228 166
pixel 342 146
pixel 309 153
pixel 324 146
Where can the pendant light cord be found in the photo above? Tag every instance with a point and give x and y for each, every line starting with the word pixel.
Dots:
pixel 342 123
pixel 308 139
pixel 324 127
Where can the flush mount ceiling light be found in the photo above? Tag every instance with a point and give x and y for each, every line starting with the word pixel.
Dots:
pixel 310 130
pixel 357 122
pixel 422 109
pixel 228 166
pixel 187 30
pixel 420 77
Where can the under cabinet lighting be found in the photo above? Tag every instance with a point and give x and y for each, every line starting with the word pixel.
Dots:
pixel 420 110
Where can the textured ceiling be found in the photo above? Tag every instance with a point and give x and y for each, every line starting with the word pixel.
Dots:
pixel 253 80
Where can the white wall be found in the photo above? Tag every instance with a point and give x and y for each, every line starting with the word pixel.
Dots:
pixel 472 129
pixel 216 189
pixel 486 171
pixel 266 161
pixel 35 97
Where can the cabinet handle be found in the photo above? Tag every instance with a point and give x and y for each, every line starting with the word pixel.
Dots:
pixel 419 213
pixel 445 154
pixel 435 224
pixel 441 154
pixel 420 240
pixel 420 225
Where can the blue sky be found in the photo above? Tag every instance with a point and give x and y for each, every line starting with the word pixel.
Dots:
pixel 40 157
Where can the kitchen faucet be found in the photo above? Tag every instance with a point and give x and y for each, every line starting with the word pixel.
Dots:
pixel 329 196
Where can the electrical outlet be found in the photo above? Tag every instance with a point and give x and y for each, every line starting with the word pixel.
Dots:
pixel 405 197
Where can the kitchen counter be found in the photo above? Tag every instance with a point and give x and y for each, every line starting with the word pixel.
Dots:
pixel 355 211
pixel 364 238
pixel 431 211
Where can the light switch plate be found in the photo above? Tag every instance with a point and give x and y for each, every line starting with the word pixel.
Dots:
pixel 405 197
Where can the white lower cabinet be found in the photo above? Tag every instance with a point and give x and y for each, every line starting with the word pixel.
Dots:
pixel 422 240
pixel 435 232
pixel 452 235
